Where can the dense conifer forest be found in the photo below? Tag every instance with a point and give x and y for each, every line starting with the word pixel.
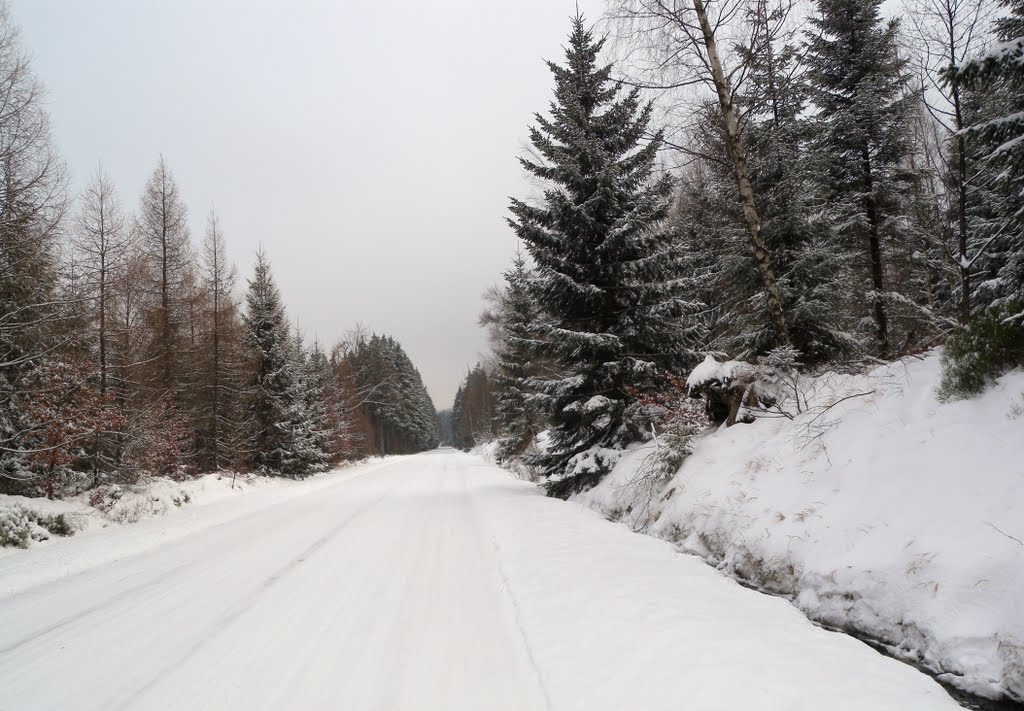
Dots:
pixel 827 194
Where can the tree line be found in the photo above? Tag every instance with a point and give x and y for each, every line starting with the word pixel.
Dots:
pixel 126 350
pixel 806 182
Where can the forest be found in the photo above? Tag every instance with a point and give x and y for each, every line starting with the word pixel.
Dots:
pixel 128 351
pixel 763 324
pixel 799 186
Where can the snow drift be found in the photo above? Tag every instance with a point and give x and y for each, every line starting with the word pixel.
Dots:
pixel 887 514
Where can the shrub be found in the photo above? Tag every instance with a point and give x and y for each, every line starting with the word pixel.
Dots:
pixel 990 344
pixel 15 527
pixel 62 524
pixel 19 526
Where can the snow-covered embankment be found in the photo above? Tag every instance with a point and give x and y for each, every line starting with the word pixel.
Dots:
pixel 889 514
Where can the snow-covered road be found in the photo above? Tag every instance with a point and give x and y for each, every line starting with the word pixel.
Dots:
pixel 429 582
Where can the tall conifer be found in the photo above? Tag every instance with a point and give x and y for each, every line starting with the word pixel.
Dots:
pixel 608 279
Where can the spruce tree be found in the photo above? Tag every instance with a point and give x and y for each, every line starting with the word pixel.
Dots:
pixel 306 441
pixel 858 82
pixel 475 415
pixel 995 136
pixel 458 412
pixel 812 271
pixel 519 421
pixel 326 406
pixel 608 276
pixel 272 373
pixel 400 410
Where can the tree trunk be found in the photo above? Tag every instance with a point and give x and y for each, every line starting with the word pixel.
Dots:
pixel 165 297
pixel 216 360
pixel 737 152
pixel 961 207
pixel 875 253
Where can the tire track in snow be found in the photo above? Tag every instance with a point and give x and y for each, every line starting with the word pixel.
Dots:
pixel 518 615
pixel 91 610
pixel 506 588
pixel 236 524
pixel 242 606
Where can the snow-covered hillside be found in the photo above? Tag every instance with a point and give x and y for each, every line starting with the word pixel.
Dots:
pixel 889 514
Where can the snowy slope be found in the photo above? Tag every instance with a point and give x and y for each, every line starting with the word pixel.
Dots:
pixel 428 582
pixel 889 514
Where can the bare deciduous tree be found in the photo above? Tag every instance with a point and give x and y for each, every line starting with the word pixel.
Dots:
pixel 220 353
pixel 946 34
pixel 102 243
pixel 163 229
pixel 678 42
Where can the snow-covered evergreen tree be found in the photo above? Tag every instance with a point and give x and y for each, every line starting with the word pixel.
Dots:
pixel 858 82
pixel 414 415
pixel 267 336
pixel 812 270
pixel 995 134
pixel 519 419
pixel 401 412
pixel 608 278
pixel 326 406
pixel 474 416
pixel 283 434
pixel 305 428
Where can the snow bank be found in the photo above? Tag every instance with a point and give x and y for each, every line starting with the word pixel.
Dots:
pixel 888 514
pixel 160 510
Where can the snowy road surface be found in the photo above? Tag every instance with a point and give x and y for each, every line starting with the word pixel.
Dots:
pixel 428 582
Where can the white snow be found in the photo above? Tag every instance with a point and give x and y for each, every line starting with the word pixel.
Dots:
pixel 598 403
pixel 889 513
pixel 710 370
pixel 428 582
pixel 154 516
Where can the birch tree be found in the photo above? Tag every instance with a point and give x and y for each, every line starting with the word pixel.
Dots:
pixel 677 43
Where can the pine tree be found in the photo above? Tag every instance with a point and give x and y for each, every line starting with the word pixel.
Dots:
pixel 812 272
pixel 413 413
pixel 272 374
pixel 995 135
pixel 858 82
pixel 608 279
pixel 519 422
pixel 399 409
pixel 458 412
pixel 475 417
pixel 327 407
pixel 304 437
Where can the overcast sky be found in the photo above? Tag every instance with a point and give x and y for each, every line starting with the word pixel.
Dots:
pixel 370 147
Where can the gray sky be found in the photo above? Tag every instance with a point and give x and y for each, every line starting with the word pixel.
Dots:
pixel 368 146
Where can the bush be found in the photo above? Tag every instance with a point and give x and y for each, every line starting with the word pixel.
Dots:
pixel 62 524
pixel 991 344
pixel 19 526
pixel 15 527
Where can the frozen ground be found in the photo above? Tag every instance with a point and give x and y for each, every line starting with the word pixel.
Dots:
pixel 427 582
pixel 891 514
